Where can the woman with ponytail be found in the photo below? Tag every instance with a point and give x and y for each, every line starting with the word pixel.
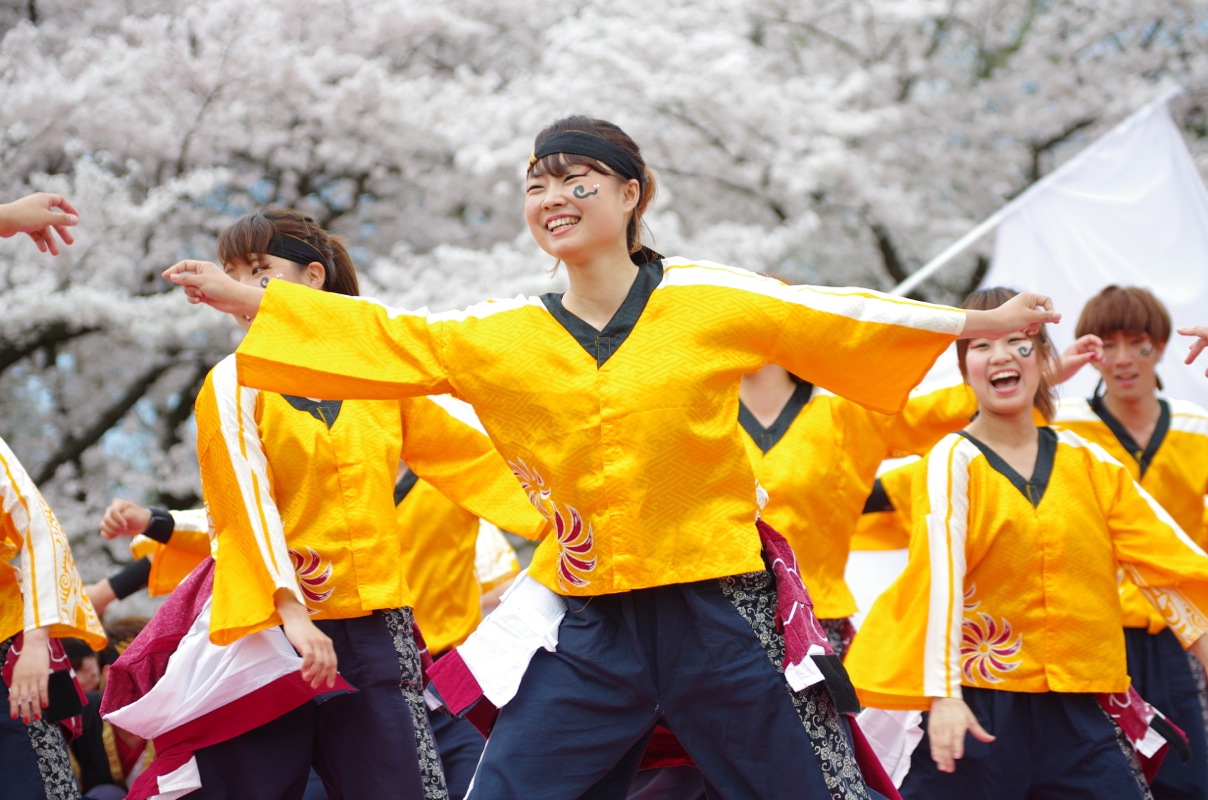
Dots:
pixel 309 557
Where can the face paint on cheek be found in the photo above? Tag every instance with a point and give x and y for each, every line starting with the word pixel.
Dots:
pixel 1146 350
pixel 580 192
pixel 1026 350
pixel 264 281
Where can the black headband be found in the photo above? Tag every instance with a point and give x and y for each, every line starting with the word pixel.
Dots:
pixel 291 248
pixel 578 143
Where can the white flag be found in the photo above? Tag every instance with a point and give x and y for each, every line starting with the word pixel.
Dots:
pixel 1130 210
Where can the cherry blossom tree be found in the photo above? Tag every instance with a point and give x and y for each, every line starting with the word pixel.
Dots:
pixel 828 141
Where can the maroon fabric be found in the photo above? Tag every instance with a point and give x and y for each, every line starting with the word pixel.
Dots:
pixel 1133 715
pixel 665 750
pixel 459 690
pixel 143 662
pixel 794 607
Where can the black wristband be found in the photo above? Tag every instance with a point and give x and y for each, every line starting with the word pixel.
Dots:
pixel 130 578
pixel 161 526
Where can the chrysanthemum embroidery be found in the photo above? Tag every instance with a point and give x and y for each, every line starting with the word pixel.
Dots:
pixel 312 574
pixel 574 538
pixel 989 647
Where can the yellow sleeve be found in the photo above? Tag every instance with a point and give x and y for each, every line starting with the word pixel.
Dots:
pixel 444 444
pixel 927 418
pixel 908 648
pixel 252 559
pixel 52 594
pixel 890 530
pixel 171 563
pixel 1169 569
pixel 322 344
pixel 866 346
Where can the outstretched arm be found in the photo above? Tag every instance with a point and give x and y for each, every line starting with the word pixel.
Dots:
pixel 40 215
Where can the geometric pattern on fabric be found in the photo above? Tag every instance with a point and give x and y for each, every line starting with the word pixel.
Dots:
pixel 753 595
pixel 401 624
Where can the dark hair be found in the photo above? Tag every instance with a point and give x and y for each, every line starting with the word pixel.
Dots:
pixel 1045 399
pixel 1125 308
pixel 560 164
pixel 255 235
pixel 121 633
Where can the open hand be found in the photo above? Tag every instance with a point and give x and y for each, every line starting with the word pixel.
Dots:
pixel 947 724
pixel 41 215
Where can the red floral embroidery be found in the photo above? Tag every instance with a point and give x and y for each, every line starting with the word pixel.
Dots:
pixel 575 539
pixel 989 647
pixel 312 574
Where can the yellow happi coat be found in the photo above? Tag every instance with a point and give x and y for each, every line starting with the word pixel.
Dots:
pixel 1000 593
pixel 817 463
pixel 442 562
pixel 171 563
pixel 1173 468
pixel 624 438
pixel 43 589
pixel 301 496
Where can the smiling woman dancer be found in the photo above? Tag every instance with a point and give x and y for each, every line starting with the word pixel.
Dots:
pixel 615 404
pixel 300 492
pixel 1005 623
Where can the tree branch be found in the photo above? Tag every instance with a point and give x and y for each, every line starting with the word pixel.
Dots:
pixel 1039 149
pixel 73 446
pixel 889 252
pixel 55 333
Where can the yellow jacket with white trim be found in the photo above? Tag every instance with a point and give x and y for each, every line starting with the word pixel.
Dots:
pixel 1011 583
pixel 45 590
pixel 625 438
pixel 300 493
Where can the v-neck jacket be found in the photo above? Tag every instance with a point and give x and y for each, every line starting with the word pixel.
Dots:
pixel 301 494
pixel 629 445
pixel 1011 583
pixel 819 459
pixel 1173 468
